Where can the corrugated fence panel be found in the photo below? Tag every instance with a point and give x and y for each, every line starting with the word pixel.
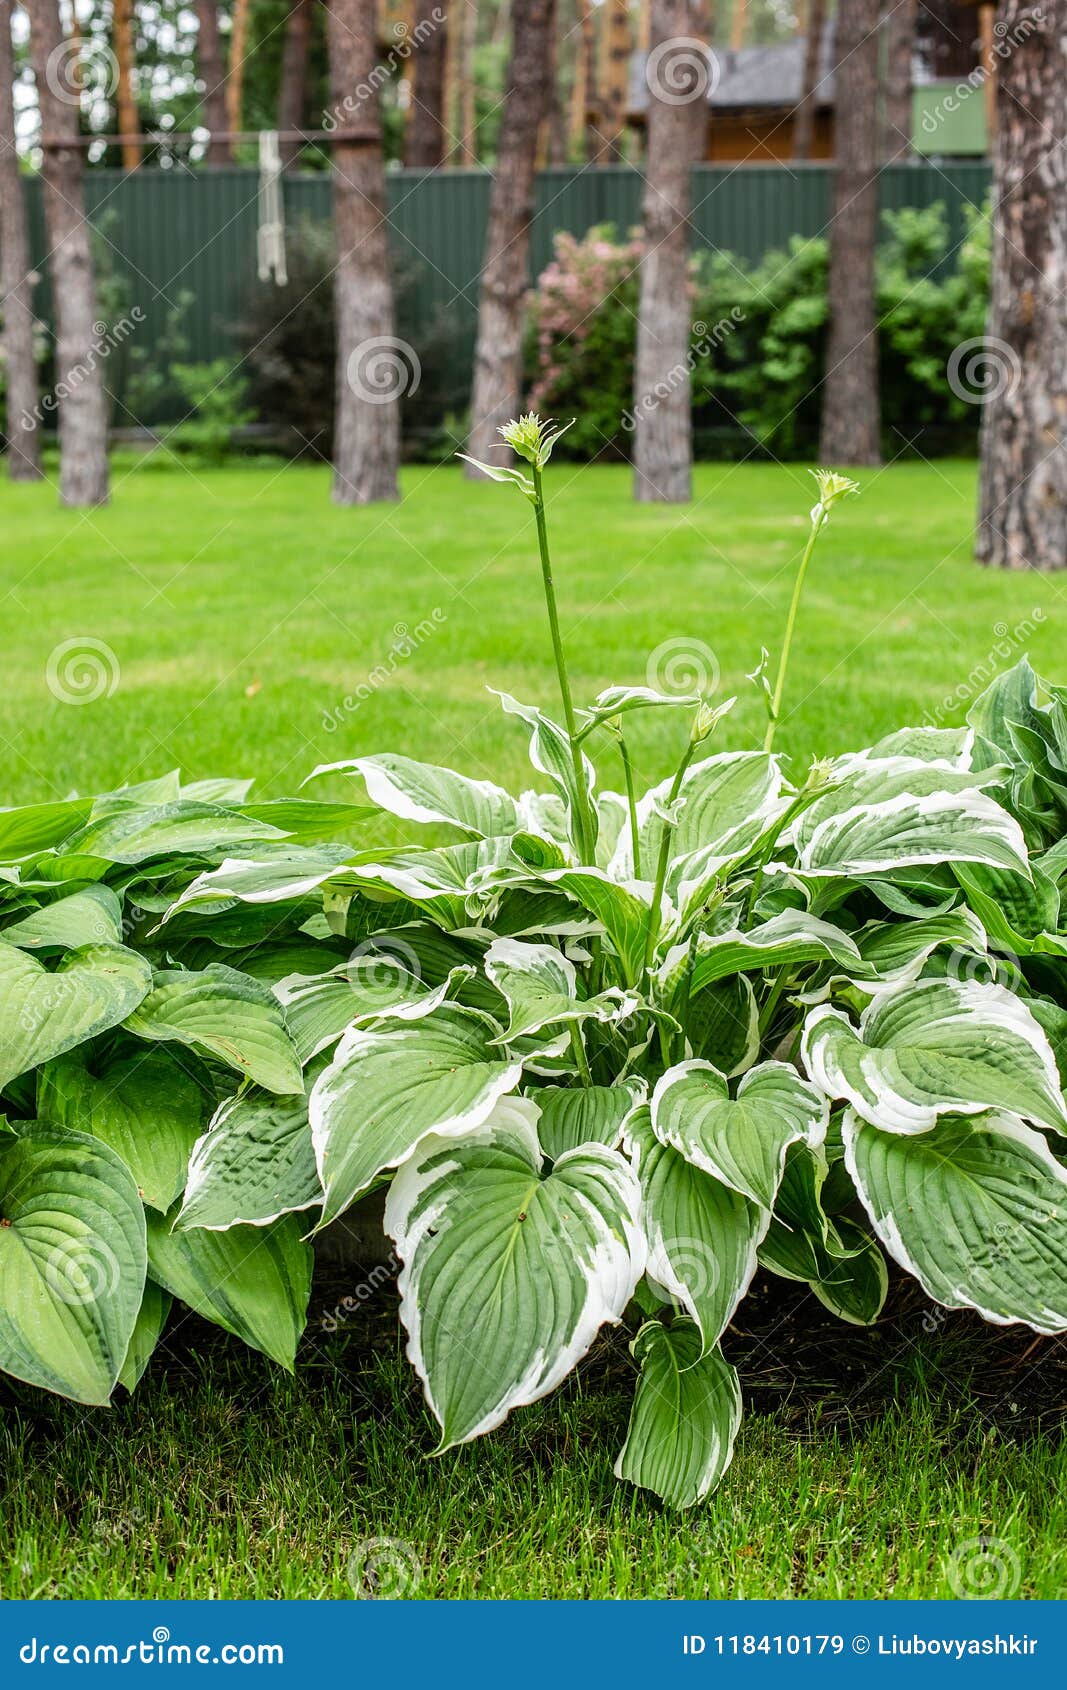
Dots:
pixel 182 233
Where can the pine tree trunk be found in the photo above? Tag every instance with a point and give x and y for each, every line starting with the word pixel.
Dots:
pixel 677 123
pixel 23 439
pixel 1019 372
pixel 899 49
pixel 497 387
pixel 804 119
pixel 424 143
pixel 209 64
pixel 83 473
pixel 583 93
pixel 614 82
pixel 235 82
pixel 292 81
pixel 373 367
pixel 851 416
pixel 465 31
pixel 129 119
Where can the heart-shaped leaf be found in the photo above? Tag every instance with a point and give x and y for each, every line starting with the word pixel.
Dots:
pixel 741 1140
pixel 226 1013
pixel 685 1416
pixel 44 1013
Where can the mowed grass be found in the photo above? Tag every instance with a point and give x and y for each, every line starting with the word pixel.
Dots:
pixel 234 613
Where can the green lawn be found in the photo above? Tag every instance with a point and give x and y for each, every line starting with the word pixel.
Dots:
pixel 242 609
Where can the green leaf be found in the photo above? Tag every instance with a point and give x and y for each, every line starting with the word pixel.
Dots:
pixel 72 1262
pixel 45 1013
pixel 786 940
pixel 92 916
pixel 388 1087
pixel 318 1008
pixel 145 1106
pixel 540 986
pixel 132 833
pixel 550 754
pixel 685 1416
pixel 934 1047
pixel 509 1272
pixel 975 1208
pixel 251 1281
pixel 702 1236
pixel 740 1140
pixel 40 827
pixel 255 1163
pixel 895 812
pixel 727 802
pixel 575 1115
pixel 155 1307
pixel 228 1014
pixel 421 792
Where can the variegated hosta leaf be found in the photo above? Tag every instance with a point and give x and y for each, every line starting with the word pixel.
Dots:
pixel 685 1416
pixel 934 1047
pixel 421 792
pixel 892 812
pixel 575 1115
pixel 147 1331
pixel 622 911
pixel 293 874
pixel 44 1013
pixel 786 940
pixel 92 916
pixel 255 1163
pixel 976 1209
pixel 509 1272
pixel 1022 916
pixel 843 1265
pixel 951 746
pixel 318 1008
pixel 145 1106
pixel 251 1281
pixel 550 754
pixel 893 951
pixel 727 804
pixel 540 986
pixel 702 1236
pixel 740 1140
pixel 72 1262
pixel 388 1087
pixel 131 832
pixel 229 1015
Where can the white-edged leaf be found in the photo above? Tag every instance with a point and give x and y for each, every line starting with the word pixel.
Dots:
pixel 390 1086
pixel 702 1235
pixel 550 754
pixel 252 1281
pixel 422 792
pixel 933 1047
pixel 786 940
pixel 219 1010
pixel 575 1115
pixel 726 804
pixel 45 1013
pixel 145 1106
pixel 509 1272
pixel 540 986
pixel 741 1140
pixel 255 1163
pixel 685 1417
pixel 976 1209
pixel 72 1262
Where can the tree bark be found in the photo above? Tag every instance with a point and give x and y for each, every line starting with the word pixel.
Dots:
pixel 465 39
pixel 129 118
pixel 497 389
pixel 804 117
pixel 583 94
pixel 851 415
pixel 614 82
pixel 83 472
pixel 209 63
pixel 23 439
pixel 424 143
pixel 235 82
pixel 374 369
pixel 1022 377
pixel 292 81
pixel 899 50
pixel 677 81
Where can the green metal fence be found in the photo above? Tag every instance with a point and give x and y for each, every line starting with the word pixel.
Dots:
pixel 169 233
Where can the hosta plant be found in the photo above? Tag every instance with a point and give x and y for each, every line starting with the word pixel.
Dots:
pixel 605 1053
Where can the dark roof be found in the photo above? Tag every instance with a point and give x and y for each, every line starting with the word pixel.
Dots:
pixel 754 77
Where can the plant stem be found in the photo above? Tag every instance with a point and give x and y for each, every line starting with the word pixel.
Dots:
pixel 773 998
pixel 652 927
pixel 631 804
pixel 791 621
pixel 582 818
pixel 578 1050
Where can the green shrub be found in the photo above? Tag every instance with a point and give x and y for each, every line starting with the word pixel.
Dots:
pixel 607 1053
pixel 215 396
